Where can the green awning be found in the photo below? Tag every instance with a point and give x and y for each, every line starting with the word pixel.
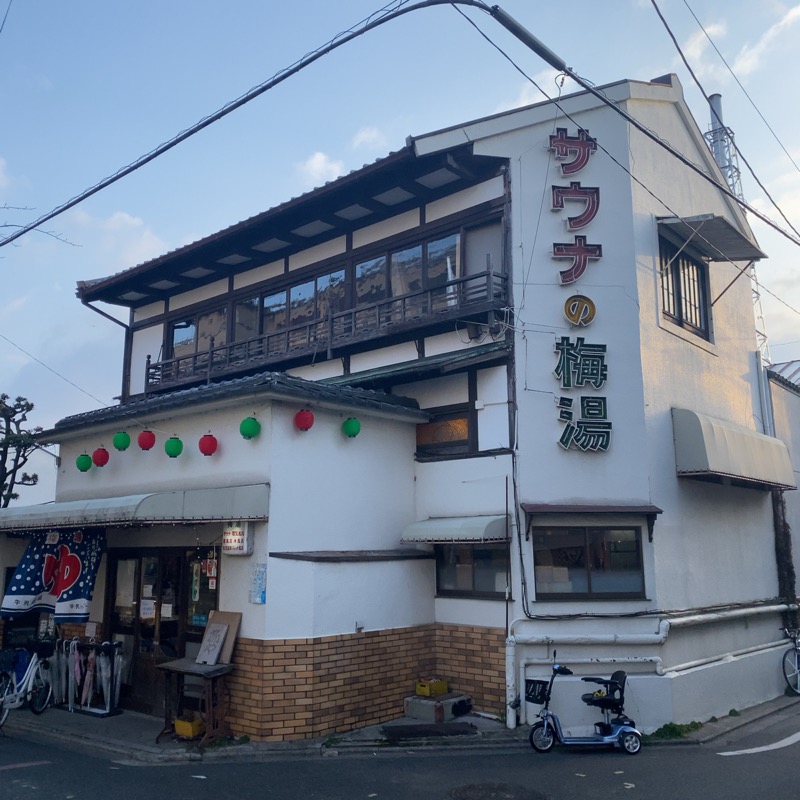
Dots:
pixel 184 506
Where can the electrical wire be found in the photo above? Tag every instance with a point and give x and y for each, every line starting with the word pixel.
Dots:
pixel 719 121
pixel 341 38
pixel 744 91
pixel 55 372
pixel 5 16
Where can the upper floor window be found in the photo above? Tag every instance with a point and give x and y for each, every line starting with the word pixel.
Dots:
pixel 684 288
pixel 413 277
pixel 195 334
pixel 587 562
pixel 450 432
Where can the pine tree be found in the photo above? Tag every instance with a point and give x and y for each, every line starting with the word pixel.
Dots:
pixel 16 445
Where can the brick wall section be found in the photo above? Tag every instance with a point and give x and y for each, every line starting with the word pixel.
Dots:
pixel 473 660
pixel 292 689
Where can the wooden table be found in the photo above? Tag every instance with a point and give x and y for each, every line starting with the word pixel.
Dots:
pixel 214 690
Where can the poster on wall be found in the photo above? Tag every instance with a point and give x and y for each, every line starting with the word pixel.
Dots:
pixel 258 586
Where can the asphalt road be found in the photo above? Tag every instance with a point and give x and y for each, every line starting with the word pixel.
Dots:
pixel 763 760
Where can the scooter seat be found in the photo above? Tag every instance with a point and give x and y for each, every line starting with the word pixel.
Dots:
pixel 611 703
pixel 611 697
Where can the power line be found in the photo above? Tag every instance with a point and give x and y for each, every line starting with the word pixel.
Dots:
pixel 55 372
pixel 5 16
pixel 744 91
pixel 719 121
pixel 279 77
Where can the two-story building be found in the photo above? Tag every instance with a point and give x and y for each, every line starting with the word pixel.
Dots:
pixel 493 395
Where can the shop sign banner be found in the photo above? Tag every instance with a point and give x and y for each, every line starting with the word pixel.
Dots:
pixel 56 574
pixel 237 539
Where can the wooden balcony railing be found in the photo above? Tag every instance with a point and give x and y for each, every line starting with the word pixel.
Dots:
pixel 464 298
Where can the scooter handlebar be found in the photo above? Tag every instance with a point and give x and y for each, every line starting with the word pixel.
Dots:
pixel 559 670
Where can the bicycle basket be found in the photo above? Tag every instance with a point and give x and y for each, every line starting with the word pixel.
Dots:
pixel 535 691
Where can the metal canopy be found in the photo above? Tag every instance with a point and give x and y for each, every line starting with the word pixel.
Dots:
pixel 714 237
pixel 458 529
pixel 185 506
pixel 719 451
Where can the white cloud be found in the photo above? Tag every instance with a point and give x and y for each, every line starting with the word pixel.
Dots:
pixel 749 58
pixel 320 168
pixel 371 138
pixel 125 239
pixel 552 83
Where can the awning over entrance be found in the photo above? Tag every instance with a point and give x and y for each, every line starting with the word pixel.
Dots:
pixel 711 449
pixel 188 505
pixel 714 237
pixel 458 529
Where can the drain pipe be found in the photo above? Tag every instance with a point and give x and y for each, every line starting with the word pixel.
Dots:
pixel 633 639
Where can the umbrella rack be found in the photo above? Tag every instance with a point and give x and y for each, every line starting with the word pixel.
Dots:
pixel 85 676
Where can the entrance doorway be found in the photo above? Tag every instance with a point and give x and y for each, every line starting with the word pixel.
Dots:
pixel 159 601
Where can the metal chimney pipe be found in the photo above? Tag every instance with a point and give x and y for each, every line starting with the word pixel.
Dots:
pixel 717 133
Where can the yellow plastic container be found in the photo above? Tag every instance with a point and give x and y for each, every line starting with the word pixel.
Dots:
pixel 188 729
pixel 430 687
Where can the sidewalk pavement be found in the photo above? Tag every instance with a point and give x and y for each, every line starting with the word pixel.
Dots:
pixel 131 737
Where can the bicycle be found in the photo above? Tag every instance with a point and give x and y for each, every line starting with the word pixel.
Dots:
pixel 791 660
pixel 34 686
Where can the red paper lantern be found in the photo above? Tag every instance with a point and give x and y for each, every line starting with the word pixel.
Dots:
pixel 208 444
pixel 100 457
pixel 146 440
pixel 303 419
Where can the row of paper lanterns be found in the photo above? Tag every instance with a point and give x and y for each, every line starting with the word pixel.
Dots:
pixel 249 428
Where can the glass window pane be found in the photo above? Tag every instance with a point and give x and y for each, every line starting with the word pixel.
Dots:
pixel 406 271
pixel 454 568
pixel 560 560
pixel 183 334
pixel 245 322
pixel 301 303
pixel 615 560
pixel 274 313
pixel 125 598
pixel 371 281
pixel 490 568
pixel 213 325
pixel 444 431
pixel 443 260
pixel 202 583
pixel 331 294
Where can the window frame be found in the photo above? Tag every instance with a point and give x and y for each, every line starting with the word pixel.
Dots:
pixel 458 225
pixel 468 409
pixel 590 594
pixel 684 283
pixel 502 548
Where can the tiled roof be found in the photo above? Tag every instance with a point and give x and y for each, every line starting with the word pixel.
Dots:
pixel 276 385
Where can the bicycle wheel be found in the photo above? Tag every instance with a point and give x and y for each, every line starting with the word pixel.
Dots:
pixel 6 686
pixel 791 669
pixel 542 740
pixel 39 697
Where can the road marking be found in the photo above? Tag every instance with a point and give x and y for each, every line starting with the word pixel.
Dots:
pixel 23 764
pixel 795 737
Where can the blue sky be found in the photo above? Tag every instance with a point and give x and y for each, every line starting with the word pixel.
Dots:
pixel 89 86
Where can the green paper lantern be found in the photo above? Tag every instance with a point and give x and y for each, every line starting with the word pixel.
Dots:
pixel 122 440
pixel 250 427
pixel 351 427
pixel 173 447
pixel 84 462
